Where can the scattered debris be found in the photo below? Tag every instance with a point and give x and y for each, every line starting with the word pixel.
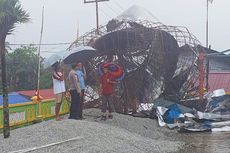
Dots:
pixel 215 118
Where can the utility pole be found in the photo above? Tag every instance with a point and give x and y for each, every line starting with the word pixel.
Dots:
pixel 38 115
pixel 97 17
pixel 39 51
pixel 207 25
pixel 208 1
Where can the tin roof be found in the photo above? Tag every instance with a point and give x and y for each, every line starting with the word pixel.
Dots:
pixel 219 80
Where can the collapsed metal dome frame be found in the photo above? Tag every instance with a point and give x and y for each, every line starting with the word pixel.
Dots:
pixel 160 61
pixel 180 33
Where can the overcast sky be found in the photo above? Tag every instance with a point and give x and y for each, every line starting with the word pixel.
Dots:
pixel 62 18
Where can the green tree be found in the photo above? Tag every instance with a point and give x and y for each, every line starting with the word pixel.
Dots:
pixel 11 13
pixel 46 79
pixel 22 69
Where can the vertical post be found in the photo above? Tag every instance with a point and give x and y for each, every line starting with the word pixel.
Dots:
pixel 39 52
pixel 207 74
pixel 39 67
pixel 201 58
pixel 97 17
pixel 207 26
pixel 207 70
pixel 6 124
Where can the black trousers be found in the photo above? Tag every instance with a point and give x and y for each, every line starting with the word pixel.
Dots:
pixel 80 108
pixel 107 103
pixel 74 108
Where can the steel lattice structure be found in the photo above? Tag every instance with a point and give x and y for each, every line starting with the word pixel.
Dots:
pixel 159 60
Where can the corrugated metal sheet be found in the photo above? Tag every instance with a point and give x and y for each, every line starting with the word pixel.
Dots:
pixel 219 80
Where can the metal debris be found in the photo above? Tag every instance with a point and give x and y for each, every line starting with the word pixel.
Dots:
pixel 159 60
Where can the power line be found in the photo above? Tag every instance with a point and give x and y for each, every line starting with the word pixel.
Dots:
pixel 45 51
pixel 46 44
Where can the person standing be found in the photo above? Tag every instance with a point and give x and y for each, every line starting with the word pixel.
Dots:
pixel 107 83
pixel 75 92
pixel 58 88
pixel 81 74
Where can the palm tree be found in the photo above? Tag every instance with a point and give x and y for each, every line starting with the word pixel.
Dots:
pixel 11 13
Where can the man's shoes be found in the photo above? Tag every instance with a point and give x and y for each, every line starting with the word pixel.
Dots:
pixel 103 117
pixel 110 116
pixel 75 118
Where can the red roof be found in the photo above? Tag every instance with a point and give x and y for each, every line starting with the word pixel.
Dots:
pixel 45 93
pixel 219 80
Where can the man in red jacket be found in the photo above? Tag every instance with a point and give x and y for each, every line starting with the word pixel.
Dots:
pixel 107 92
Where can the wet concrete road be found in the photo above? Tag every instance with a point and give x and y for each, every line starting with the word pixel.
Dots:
pixel 205 142
pixel 122 130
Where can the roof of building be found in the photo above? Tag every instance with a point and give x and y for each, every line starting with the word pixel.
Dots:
pixel 212 52
pixel 45 93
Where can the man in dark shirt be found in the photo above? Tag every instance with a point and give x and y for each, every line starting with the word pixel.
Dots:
pixel 107 92
pixel 75 92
